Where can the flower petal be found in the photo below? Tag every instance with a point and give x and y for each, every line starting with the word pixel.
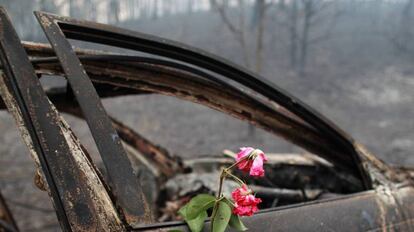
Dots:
pixel 245 203
pixel 245 165
pixel 261 154
pixel 257 167
pixel 244 151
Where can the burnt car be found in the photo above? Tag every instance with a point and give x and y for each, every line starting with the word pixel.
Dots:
pixel 339 186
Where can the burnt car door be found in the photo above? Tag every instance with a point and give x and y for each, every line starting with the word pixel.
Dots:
pixel 381 200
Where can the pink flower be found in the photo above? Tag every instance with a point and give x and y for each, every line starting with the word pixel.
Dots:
pixel 240 194
pixel 245 210
pixel 253 164
pixel 245 204
pixel 245 164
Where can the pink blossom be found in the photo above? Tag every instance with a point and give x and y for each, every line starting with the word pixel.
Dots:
pixel 254 164
pixel 245 164
pixel 257 166
pixel 245 210
pixel 240 193
pixel 245 204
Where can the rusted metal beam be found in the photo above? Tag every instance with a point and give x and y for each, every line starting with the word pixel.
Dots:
pixel 125 186
pixel 34 49
pixel 99 204
pixel 82 203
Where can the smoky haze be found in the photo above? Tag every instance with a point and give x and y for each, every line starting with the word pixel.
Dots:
pixel 352 60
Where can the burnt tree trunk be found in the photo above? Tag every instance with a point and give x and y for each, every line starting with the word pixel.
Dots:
pixel 293 34
pixel 308 11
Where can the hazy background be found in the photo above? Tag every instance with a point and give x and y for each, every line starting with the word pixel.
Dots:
pixel 353 60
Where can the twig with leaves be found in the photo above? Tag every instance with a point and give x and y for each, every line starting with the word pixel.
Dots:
pixel 226 212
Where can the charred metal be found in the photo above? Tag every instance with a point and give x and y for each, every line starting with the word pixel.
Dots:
pixel 339 185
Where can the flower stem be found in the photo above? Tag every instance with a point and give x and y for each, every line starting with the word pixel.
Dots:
pixel 241 182
pixel 242 159
pixel 219 197
pixel 224 173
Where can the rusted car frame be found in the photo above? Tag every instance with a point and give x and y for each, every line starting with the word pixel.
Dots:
pixel 382 196
pixel 56 28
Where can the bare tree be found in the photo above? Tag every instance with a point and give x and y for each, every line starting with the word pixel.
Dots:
pixel 114 10
pixel 239 31
pixel 90 11
pixel 302 19
pixel 402 34
pixel 293 24
pixel 259 25
pixel 73 8
pixel 132 8
pixel 290 19
pixel 190 6
pixel 155 9
pixel 260 11
pixel 47 5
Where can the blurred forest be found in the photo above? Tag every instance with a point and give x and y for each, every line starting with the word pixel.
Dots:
pixel 352 60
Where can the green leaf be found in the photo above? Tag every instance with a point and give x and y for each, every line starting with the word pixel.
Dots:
pixel 196 224
pixel 236 223
pixel 183 211
pixel 222 217
pixel 198 204
pixel 175 231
